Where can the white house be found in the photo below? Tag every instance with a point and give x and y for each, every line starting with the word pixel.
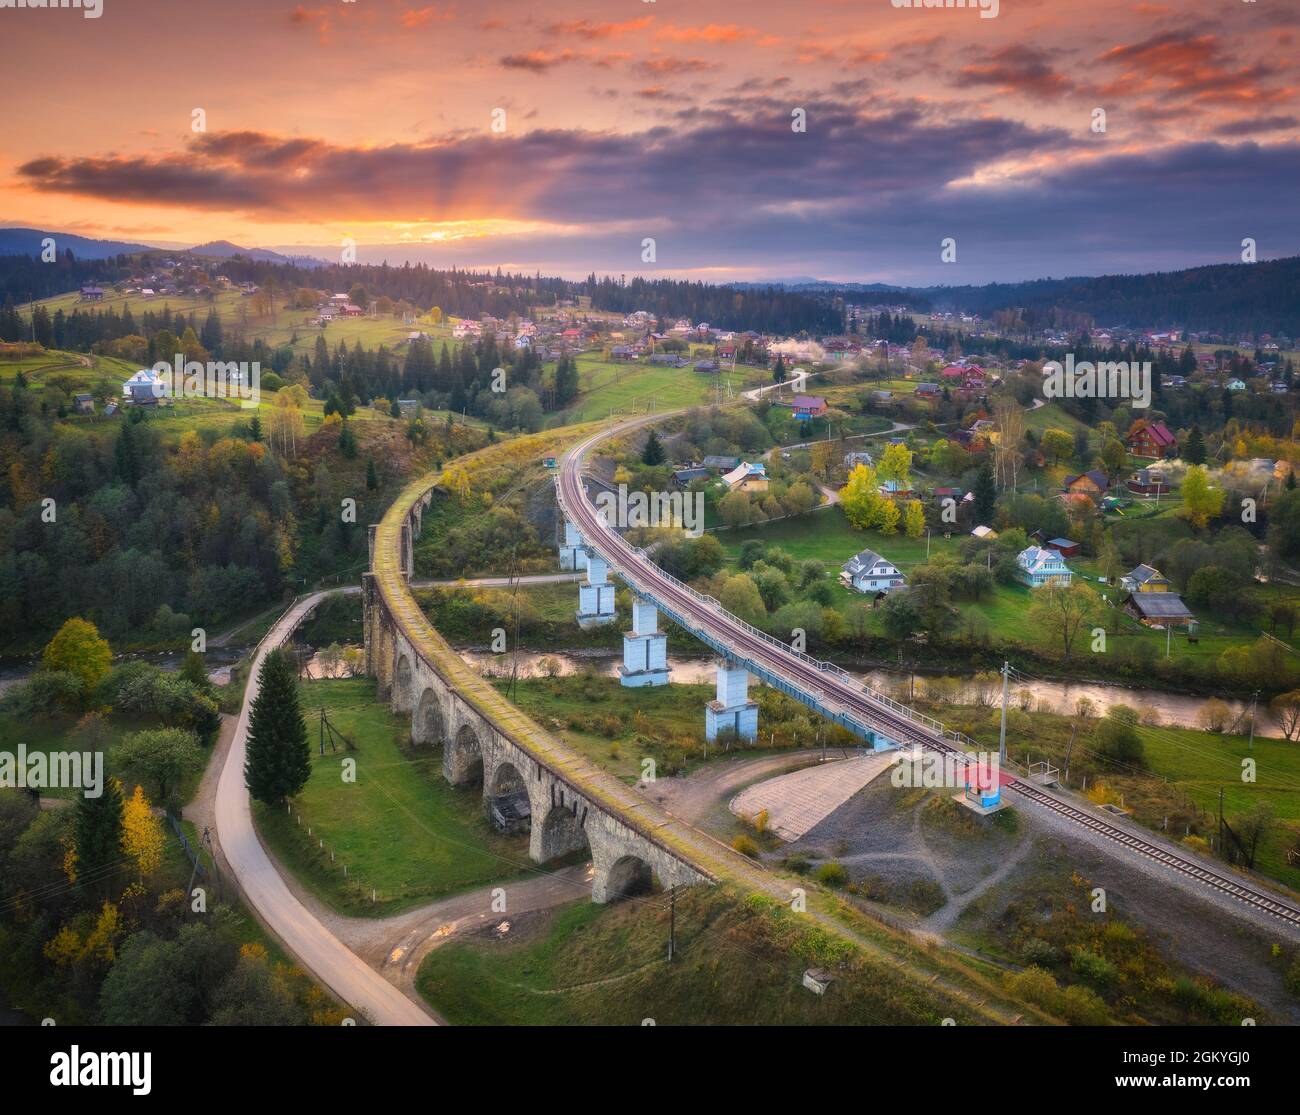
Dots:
pixel 869 572
pixel 144 388
pixel 1042 567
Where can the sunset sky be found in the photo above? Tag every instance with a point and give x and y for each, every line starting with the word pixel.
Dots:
pixel 624 120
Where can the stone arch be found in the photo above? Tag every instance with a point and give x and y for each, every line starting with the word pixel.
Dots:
pixel 462 761
pixel 428 724
pixel 506 779
pixel 628 876
pixel 561 833
pixel 403 684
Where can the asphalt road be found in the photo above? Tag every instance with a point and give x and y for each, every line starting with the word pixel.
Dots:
pixel 331 962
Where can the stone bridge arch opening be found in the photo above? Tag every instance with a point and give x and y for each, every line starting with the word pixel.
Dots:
pixel 463 760
pixel 507 800
pixel 628 877
pixel 428 725
pixel 402 684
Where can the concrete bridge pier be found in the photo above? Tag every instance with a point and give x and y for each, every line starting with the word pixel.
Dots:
pixel 732 710
pixel 596 594
pixel 645 648
pixel 573 552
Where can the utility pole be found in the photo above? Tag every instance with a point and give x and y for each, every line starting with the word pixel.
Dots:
pixel 672 923
pixel 1169 638
pixel 1074 729
pixel 1002 734
pixel 1250 744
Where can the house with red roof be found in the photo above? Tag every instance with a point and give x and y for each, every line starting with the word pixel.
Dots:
pixel 1151 439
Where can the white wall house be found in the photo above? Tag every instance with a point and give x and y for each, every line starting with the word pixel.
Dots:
pixel 1042 567
pixel 869 572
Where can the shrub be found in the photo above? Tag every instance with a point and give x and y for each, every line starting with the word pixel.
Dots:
pixel 832 875
pixel 746 846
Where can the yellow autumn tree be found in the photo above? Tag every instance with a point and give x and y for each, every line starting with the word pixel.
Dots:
pixel 142 834
pixel 79 649
pixel 914 519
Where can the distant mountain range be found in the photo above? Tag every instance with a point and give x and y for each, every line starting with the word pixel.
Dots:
pixel 28 241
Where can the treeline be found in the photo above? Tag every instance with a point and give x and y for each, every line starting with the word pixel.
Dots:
pixel 1232 299
pixel 29 278
pixel 766 310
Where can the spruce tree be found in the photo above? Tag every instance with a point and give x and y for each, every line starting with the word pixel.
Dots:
pixel 278 762
pixel 1194 447
pixel 97 829
pixel 986 494
pixel 653 453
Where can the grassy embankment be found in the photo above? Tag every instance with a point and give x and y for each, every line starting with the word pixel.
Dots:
pixel 401 830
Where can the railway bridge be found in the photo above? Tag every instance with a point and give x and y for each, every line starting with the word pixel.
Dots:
pixel 487 742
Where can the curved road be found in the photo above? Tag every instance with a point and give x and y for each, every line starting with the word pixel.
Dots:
pixel 839 691
pixel 320 952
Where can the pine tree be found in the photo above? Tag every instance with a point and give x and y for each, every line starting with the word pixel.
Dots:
pixel 1194 447
pixel 278 762
pixel 778 371
pixel 372 477
pixel 653 453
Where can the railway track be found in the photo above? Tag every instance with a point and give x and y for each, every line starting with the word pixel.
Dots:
pixel 831 686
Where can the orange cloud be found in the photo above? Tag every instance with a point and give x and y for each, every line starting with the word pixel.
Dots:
pixel 418 17
pixel 586 29
pixel 711 33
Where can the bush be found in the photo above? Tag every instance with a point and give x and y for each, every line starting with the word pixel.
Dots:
pixel 746 846
pixel 1096 969
pixel 831 875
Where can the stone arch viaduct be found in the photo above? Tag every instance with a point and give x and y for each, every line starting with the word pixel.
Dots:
pixel 486 740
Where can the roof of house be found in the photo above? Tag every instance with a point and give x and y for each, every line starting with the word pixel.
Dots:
pixel 715 461
pixel 864 562
pixel 695 472
pixel 1061 543
pixel 1159 433
pixel 1144 573
pixel 743 470
pixel 1159 605
pixel 1095 475
pixel 806 402
pixel 1033 558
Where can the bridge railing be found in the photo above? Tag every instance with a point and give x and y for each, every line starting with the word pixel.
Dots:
pixel 617 541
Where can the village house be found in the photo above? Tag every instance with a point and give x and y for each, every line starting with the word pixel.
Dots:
pixel 1159 609
pixel 83 404
pixel 746 477
pixel 1063 546
pixel 92 294
pixel 984 532
pixel 857 457
pixel 1145 578
pixel 682 477
pixel 144 388
pixel 927 390
pixel 894 489
pixel 869 572
pixel 1093 484
pixel 1151 439
pixel 807 406
pixel 1147 482
pixel 1040 566
pixel 721 463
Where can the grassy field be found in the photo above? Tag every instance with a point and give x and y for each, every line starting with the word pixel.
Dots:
pixel 737 962
pixel 629 388
pixel 277 328
pixel 399 828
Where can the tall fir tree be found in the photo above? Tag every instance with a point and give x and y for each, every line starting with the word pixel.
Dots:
pixel 97 830
pixel 278 762
pixel 1194 447
pixel 653 453
pixel 986 494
